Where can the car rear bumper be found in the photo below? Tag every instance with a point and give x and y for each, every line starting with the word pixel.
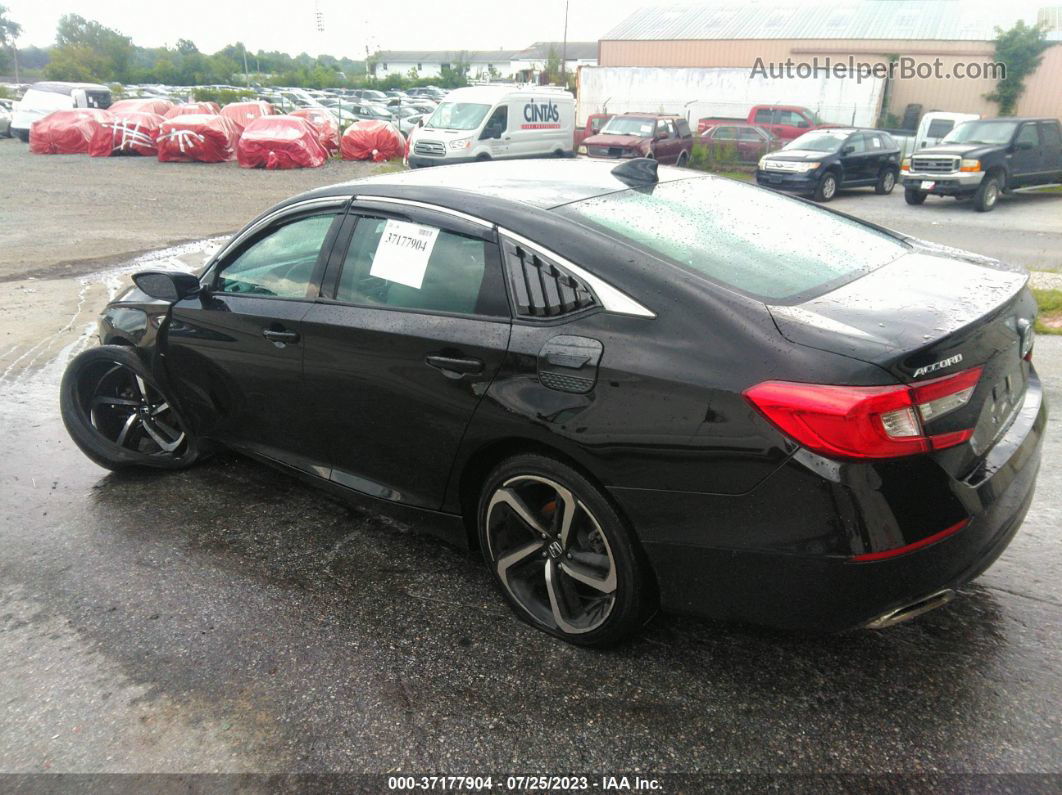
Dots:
pixel 833 592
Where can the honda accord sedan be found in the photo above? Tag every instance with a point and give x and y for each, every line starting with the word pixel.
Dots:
pixel 630 387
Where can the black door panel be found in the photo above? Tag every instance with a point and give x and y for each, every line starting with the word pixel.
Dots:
pixel 234 352
pixel 396 370
pixel 240 385
pixel 396 391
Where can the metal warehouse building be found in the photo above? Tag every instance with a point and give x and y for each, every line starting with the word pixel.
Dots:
pixel 871 31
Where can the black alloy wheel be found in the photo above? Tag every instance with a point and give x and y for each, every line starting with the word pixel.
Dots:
pixel 560 553
pixel 118 416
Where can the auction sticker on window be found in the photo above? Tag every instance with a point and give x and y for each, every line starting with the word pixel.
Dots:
pixel 403 253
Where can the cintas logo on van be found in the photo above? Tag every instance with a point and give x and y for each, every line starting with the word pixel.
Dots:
pixel 541 116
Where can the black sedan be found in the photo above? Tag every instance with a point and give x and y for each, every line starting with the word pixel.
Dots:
pixel 820 162
pixel 629 386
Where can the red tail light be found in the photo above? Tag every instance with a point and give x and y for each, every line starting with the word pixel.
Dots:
pixel 865 421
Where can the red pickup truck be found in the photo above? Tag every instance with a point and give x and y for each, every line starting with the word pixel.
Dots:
pixel 784 122
pixel 594 123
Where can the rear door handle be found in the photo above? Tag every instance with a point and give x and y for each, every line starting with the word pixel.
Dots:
pixel 454 364
pixel 278 335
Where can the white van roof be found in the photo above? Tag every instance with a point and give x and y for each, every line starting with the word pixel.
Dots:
pixel 491 95
pixel 55 87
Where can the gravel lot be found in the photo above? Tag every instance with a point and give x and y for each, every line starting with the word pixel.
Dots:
pixel 230 619
pixel 72 214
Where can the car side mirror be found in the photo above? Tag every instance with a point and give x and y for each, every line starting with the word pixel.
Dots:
pixel 803 125
pixel 169 286
pixel 1022 146
pixel 661 135
pixel 847 150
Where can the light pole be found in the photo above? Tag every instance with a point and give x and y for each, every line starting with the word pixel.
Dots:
pixel 564 48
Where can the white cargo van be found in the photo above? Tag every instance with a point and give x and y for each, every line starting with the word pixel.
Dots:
pixel 936 124
pixel 41 99
pixel 495 123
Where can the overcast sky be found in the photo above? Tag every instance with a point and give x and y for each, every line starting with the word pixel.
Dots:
pixel 352 25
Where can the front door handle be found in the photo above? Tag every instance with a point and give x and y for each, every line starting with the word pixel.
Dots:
pixel 280 335
pixel 457 365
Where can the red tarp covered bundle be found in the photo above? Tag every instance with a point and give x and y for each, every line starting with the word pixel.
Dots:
pixel 326 125
pixel 128 133
pixel 67 132
pixel 243 113
pixel 280 142
pixel 372 140
pixel 160 106
pixel 206 139
pixel 192 108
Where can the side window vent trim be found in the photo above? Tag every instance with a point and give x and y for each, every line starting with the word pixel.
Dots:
pixel 542 289
pixel 608 297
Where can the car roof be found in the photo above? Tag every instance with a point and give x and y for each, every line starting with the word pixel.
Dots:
pixel 480 188
pixel 494 94
pixel 642 115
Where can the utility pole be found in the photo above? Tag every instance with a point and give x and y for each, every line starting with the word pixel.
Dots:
pixel 246 75
pixel 564 47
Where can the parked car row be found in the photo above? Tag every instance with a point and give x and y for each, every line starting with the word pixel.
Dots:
pixel 403 109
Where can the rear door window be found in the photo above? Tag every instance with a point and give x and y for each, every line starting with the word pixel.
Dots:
pixel 1050 133
pixel 1028 135
pixel 403 265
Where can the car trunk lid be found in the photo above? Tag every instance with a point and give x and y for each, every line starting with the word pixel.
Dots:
pixel 927 315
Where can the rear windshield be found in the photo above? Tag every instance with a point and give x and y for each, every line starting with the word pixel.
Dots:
pixel 763 244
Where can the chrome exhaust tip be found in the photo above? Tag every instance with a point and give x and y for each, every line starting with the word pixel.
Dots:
pixel 913 610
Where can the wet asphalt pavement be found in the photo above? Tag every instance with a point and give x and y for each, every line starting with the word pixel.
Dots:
pixel 229 618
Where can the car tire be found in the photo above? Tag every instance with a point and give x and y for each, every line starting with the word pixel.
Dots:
pixel 118 416
pixel 987 195
pixel 482 157
pixel 914 196
pixel 683 160
pixel 886 182
pixel 23 135
pixel 587 584
pixel 827 187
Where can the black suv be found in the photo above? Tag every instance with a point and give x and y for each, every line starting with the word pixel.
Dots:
pixel 821 161
pixel 984 158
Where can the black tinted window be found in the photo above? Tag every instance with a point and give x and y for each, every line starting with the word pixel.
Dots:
pixel 938 128
pixel 1028 135
pixel 1050 134
pixel 413 266
pixel 280 264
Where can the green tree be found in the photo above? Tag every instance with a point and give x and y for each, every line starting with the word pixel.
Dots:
pixel 553 66
pixel 9 31
pixel 1020 49
pixel 86 50
pixel 455 74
